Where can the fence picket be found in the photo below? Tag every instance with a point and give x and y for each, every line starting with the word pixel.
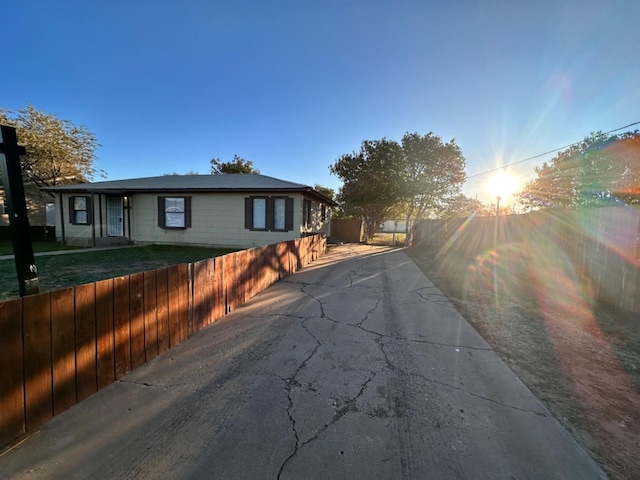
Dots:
pixel 121 325
pixel 184 294
pixel 162 309
pixel 37 359
pixel 136 312
pixel 209 300
pixel 63 349
pixel 218 288
pixel 86 371
pixel 199 295
pixel 173 299
pixel 12 421
pixel 105 341
pixel 150 316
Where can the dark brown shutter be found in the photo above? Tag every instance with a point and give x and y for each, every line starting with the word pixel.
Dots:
pixel 187 212
pixel 288 214
pixel 72 212
pixel 161 215
pixel 268 223
pixel 248 213
pixel 89 211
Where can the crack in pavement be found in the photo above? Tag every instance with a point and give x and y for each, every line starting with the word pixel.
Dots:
pixel 349 406
pixel 292 382
pixel 145 384
pixel 476 395
pixel 392 367
pixel 368 314
pixel 393 337
pixel 436 298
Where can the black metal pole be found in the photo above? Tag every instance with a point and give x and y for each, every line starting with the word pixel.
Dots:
pixel 10 153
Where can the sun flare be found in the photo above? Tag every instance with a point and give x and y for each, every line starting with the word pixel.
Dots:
pixel 503 185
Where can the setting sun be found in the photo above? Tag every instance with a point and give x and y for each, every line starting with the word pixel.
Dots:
pixel 502 184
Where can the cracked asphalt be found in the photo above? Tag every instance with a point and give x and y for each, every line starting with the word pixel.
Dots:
pixel 355 368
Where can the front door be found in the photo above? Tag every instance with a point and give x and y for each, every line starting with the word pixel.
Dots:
pixel 114 217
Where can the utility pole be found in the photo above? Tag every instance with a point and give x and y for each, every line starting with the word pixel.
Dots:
pixel 11 171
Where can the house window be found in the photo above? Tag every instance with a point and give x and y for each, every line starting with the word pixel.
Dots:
pixel 269 213
pixel 323 213
pixel 4 210
pixel 80 210
pixel 279 213
pixel 306 213
pixel 259 214
pixel 174 212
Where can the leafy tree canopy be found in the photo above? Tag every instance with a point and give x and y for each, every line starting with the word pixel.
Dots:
pixel 601 170
pixel 432 174
pixel 327 192
pixel 371 186
pixel 461 206
pixel 58 151
pixel 237 165
pixel 413 178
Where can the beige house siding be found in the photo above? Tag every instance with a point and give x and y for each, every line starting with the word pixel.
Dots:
pixel 316 223
pixel 216 219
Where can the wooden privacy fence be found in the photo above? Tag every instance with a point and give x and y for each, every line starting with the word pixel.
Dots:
pixel 600 247
pixel 59 347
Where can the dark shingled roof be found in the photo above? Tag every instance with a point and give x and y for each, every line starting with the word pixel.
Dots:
pixel 245 182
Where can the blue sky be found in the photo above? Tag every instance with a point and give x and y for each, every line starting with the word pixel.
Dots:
pixel 292 85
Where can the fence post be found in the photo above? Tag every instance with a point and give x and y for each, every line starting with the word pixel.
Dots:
pixel 10 153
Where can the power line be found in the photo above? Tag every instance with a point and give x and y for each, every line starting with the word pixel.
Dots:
pixel 545 153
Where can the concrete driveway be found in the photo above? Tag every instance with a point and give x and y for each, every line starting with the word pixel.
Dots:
pixel 355 368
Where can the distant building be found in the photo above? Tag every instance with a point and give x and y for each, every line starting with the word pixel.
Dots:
pixel 390 226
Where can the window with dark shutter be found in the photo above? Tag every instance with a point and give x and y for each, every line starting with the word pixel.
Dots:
pixel 268 213
pixel 288 215
pixel 279 213
pixel 80 210
pixel 174 212
pixel 306 213
pixel 257 213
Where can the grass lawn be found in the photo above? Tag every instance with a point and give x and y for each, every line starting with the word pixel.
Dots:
pixel 388 239
pixel 57 271
pixel 38 246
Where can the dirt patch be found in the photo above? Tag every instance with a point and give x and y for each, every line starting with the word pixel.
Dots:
pixel 579 357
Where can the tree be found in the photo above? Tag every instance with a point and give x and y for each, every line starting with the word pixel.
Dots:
pixel 462 206
pixel 327 192
pixel 237 165
pixel 419 176
pixel 58 151
pixel 371 188
pixel 601 170
pixel 431 175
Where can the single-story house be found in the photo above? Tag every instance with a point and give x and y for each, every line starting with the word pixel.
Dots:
pixel 232 210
